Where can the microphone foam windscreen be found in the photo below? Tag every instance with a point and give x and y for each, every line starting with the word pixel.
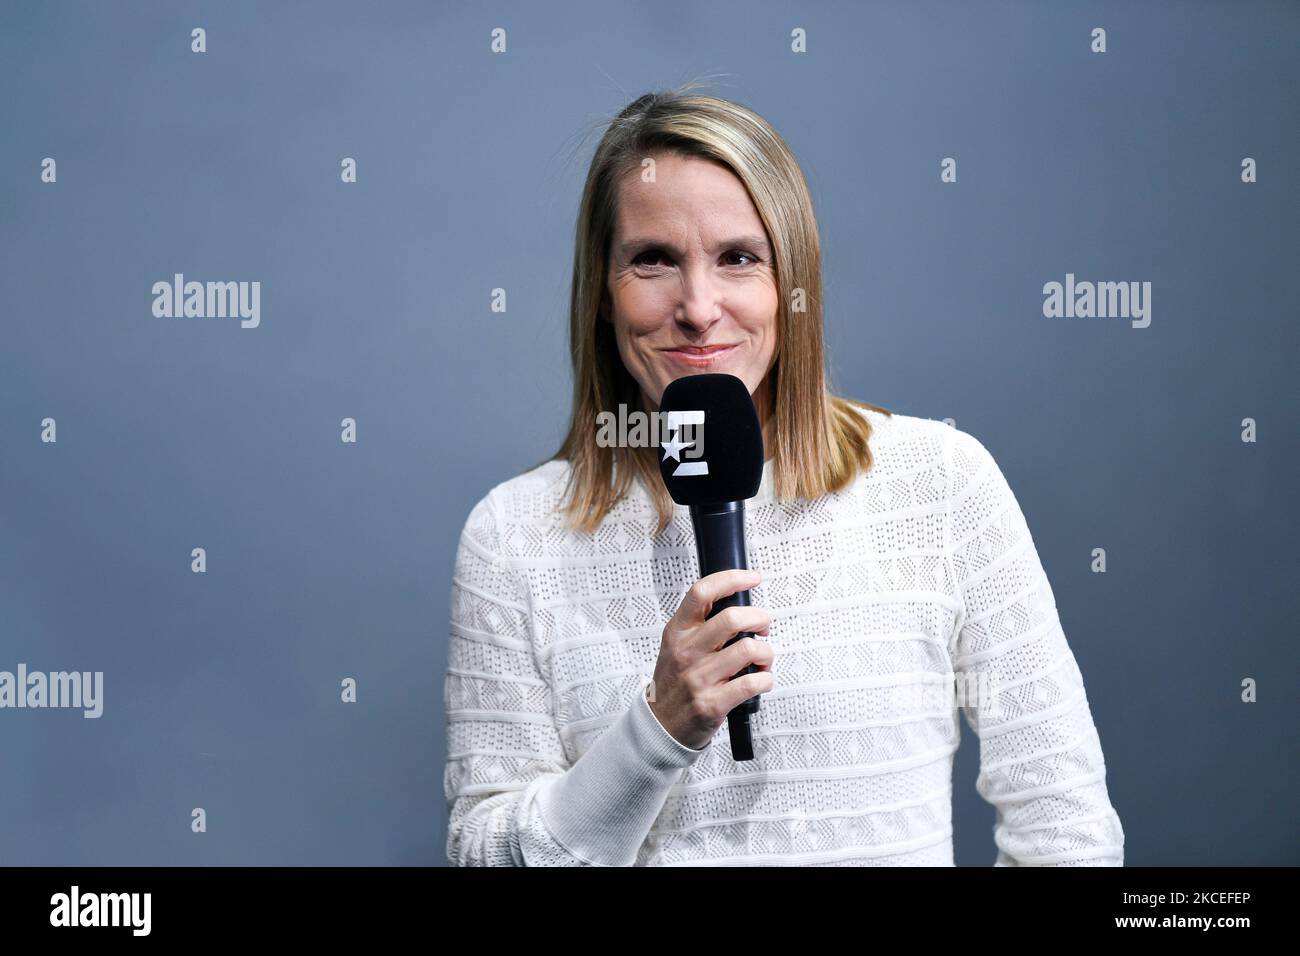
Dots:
pixel 713 414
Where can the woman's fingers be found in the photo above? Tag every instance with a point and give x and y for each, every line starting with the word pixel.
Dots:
pixel 699 599
pixel 734 693
pixel 729 622
pixel 730 661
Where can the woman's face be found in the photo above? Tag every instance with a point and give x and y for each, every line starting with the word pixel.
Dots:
pixel 691 285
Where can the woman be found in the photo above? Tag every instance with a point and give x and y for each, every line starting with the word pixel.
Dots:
pixel 586 686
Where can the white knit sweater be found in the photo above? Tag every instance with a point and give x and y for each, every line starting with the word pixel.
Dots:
pixel 878 595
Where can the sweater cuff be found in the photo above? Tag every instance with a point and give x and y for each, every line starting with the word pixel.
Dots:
pixel 602 808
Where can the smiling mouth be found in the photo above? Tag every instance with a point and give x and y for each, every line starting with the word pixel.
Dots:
pixel 697 355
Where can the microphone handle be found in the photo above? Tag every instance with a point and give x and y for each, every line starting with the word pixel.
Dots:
pixel 720 546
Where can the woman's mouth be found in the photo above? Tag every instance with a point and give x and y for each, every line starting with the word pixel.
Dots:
pixel 698 356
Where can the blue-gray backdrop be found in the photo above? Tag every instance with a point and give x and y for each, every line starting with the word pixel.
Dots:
pixel 329 560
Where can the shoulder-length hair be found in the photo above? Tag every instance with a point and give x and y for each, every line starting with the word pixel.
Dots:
pixel 821 441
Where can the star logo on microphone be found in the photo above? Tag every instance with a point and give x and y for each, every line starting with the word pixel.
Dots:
pixel 676 422
pixel 671 448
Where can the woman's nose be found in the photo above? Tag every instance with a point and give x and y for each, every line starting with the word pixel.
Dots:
pixel 700 304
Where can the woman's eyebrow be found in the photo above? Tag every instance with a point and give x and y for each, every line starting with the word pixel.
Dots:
pixel 644 242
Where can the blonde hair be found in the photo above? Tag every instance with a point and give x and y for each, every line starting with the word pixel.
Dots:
pixel 820 441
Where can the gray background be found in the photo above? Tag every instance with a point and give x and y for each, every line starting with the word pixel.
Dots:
pixel 328 560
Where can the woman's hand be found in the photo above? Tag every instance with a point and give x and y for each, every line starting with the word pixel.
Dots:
pixel 693 690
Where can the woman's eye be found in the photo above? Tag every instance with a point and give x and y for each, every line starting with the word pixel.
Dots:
pixel 647 258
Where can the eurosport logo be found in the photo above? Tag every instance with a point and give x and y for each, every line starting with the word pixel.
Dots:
pixel 690 426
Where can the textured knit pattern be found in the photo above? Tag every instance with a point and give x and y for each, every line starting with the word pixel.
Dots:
pixel 878 594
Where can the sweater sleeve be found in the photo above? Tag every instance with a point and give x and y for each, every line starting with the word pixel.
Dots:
pixel 514 798
pixel 1041 763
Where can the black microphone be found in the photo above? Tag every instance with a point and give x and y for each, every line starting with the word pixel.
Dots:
pixel 711 459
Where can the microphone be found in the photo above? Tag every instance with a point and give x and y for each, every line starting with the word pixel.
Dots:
pixel 712 460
